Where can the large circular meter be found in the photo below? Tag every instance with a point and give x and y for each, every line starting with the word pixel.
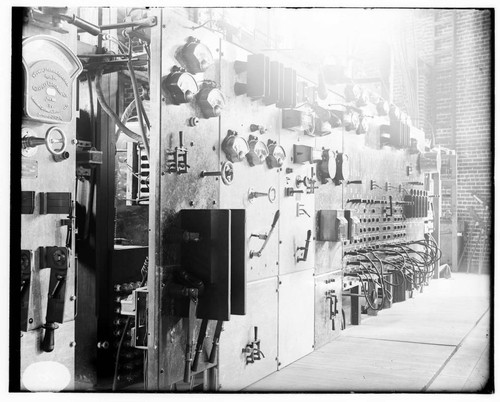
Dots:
pixel 50 69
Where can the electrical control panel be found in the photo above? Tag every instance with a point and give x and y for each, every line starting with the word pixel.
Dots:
pixel 48 154
pixel 230 214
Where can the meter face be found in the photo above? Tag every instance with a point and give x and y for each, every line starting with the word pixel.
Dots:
pixel 49 69
pixel 48 92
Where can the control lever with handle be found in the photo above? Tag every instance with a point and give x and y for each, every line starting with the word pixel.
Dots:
pixel 265 237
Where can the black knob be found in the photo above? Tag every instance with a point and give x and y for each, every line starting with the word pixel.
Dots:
pixel 48 339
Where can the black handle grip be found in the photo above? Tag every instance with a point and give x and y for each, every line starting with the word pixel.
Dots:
pixel 187 371
pixel 276 217
pixel 48 341
pixel 255 333
pixel 308 236
pixel 181 139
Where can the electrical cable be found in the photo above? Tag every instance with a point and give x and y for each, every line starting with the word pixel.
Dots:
pixel 140 109
pixel 109 111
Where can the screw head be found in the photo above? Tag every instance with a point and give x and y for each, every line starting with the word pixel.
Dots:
pixel 30 320
pixel 72 344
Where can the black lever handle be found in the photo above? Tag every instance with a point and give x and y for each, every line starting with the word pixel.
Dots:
pixel 199 344
pixel 255 332
pixel 181 139
pixel 305 248
pixel 276 217
pixel 55 292
pixel 48 341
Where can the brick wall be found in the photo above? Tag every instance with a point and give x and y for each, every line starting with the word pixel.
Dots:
pixel 467 128
pixel 473 112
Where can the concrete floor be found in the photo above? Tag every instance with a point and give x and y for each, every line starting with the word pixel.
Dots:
pixel 436 342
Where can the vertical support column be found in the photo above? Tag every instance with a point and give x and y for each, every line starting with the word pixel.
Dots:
pixel 454 211
pixel 153 371
pixel 436 203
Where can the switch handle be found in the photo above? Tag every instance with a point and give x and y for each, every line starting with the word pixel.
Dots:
pixel 48 341
pixel 276 217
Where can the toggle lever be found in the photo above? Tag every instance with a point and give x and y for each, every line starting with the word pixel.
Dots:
pixel 305 249
pixel 199 344
pixel 55 258
pixel 215 342
pixel 265 237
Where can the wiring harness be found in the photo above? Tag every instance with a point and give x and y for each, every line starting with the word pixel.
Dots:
pixel 410 265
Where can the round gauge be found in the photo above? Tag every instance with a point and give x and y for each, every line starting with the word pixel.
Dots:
pixel 211 102
pixel 261 150
pixel 48 92
pixel 277 156
pixel 188 85
pixel 240 147
pixel 197 57
pixel 44 47
pixel 181 86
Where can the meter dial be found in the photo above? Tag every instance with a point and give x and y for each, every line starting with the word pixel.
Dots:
pixel 240 147
pixel 261 150
pixel 197 57
pixel 258 152
pixel 276 156
pixel 211 102
pixel 49 92
pixel 181 86
pixel 50 68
